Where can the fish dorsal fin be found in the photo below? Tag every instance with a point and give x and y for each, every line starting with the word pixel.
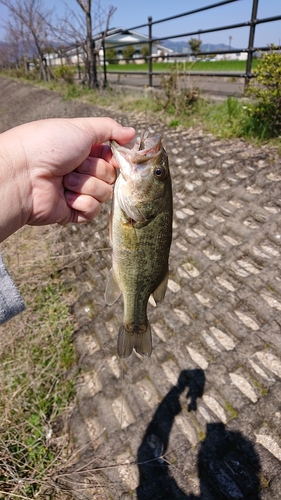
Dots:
pixel 144 136
pixel 112 290
pixel 160 291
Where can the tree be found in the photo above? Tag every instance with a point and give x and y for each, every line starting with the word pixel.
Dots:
pixel 111 53
pixel 79 28
pixel 31 23
pixel 144 51
pixel 91 50
pixel 14 38
pixel 91 55
pixel 195 44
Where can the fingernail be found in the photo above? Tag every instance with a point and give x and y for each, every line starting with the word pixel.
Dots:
pixel 73 180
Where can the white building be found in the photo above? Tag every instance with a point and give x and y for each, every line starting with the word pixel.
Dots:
pixel 120 38
pixel 116 37
pixel 238 56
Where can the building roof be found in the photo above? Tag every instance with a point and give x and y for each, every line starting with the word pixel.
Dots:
pixel 122 35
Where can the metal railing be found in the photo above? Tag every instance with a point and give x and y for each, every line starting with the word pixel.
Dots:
pixel 250 49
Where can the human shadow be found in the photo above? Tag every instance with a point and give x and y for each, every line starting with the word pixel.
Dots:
pixel 155 479
pixel 228 465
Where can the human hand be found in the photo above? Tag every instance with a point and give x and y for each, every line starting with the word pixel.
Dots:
pixel 57 170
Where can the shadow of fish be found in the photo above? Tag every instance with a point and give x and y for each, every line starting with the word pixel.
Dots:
pixel 140 234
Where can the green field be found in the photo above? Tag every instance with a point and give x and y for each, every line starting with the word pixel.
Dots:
pixel 187 66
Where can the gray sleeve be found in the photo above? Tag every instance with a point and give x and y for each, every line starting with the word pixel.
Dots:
pixel 11 302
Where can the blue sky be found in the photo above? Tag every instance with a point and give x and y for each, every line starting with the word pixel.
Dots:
pixel 130 14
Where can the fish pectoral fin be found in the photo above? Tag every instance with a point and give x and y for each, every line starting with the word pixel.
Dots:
pixel 112 290
pixel 141 342
pixel 160 291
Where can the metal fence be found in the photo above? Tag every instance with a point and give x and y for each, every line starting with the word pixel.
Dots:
pixel 250 49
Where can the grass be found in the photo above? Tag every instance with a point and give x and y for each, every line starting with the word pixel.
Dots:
pixel 176 104
pixel 36 358
pixel 224 119
pixel 239 66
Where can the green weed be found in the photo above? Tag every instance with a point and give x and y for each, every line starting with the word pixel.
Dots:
pixel 174 123
pixel 223 119
pixel 230 410
pixel 35 389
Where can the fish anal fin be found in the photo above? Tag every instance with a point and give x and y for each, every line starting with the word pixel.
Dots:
pixel 141 342
pixel 112 290
pixel 160 291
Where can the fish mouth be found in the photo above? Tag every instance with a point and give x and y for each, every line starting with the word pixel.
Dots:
pixel 133 189
pixel 140 150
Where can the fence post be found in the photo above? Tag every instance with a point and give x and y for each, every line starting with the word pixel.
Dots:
pixel 150 51
pixel 104 64
pixel 251 42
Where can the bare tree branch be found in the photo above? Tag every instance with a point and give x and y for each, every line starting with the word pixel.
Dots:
pixel 34 30
pixel 94 23
pixel 34 18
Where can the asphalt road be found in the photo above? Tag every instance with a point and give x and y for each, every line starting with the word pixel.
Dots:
pixel 219 87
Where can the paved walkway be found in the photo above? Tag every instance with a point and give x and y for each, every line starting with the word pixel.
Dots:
pixel 202 417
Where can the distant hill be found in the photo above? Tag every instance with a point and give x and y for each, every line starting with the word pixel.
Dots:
pixel 183 47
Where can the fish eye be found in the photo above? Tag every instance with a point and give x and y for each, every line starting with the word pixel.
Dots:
pixel 160 173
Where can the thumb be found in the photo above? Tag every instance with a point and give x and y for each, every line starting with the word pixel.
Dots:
pixel 105 129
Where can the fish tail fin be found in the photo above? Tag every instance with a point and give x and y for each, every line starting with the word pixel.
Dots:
pixel 141 342
pixel 125 343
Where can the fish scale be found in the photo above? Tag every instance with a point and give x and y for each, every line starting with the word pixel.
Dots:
pixel 141 233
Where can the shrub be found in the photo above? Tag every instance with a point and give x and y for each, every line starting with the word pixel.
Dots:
pixel 175 98
pixel 111 54
pixel 128 51
pixel 145 51
pixel 65 72
pixel 264 114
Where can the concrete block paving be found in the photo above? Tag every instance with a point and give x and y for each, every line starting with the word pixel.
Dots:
pixel 201 418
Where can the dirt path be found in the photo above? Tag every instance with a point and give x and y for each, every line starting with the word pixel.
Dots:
pixel 20 103
pixel 202 416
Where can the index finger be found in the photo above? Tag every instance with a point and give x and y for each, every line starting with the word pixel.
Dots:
pixel 103 151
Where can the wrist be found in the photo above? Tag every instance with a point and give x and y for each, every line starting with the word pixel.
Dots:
pixel 14 185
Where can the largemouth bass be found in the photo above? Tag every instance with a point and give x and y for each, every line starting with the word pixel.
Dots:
pixel 140 234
